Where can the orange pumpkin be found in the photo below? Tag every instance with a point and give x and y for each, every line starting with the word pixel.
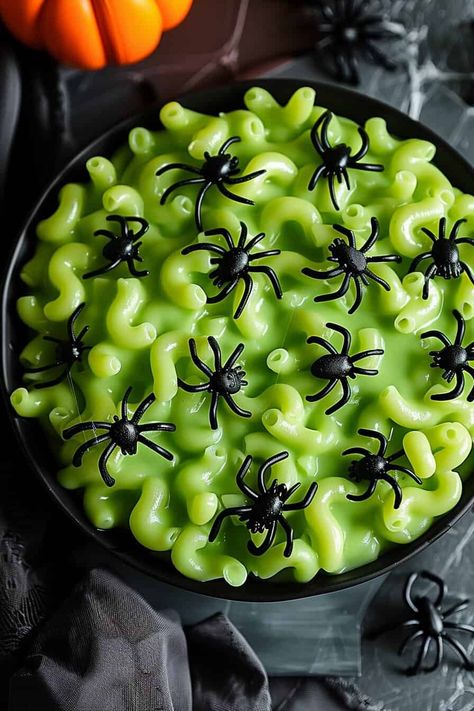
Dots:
pixel 93 33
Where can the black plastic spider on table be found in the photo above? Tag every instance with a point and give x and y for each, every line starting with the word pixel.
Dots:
pixel 337 367
pixel 375 468
pixel 430 623
pixel 267 506
pixel 453 359
pixel 123 433
pixel 235 263
pixel 447 262
pixel 353 263
pixel 349 29
pixel 68 351
pixel 218 170
pixel 123 247
pixel 337 159
pixel 225 381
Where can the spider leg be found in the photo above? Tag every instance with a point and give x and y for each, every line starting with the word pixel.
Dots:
pixel 52 339
pixel 430 272
pixel 224 293
pixel 124 406
pixel 193 388
pixel 105 233
pixel 234 356
pixel 243 235
pixel 346 335
pixel 55 381
pixel 470 370
pixel 336 294
pixel 404 470
pixel 234 511
pixel 396 455
pixel 267 543
pixel 322 393
pixel 363 148
pixel 270 273
pixel 305 501
pixel 157 427
pixel 372 238
pixel 365 371
pixel 144 227
pixel 266 466
pixel 222 232
pixel 439 655
pixel 80 451
pixel 455 229
pixel 232 196
pixel 83 427
pixel 338 174
pixel 320 170
pixel 322 342
pixel 143 407
pixel 321 144
pixel 235 408
pixel 226 144
pixel 458 607
pixel 347 233
pixel 423 651
pixel 346 395
pixel 396 489
pixel 155 447
pixel 459 626
pixel 289 536
pixel 366 354
pixel 437 334
pixel 461 329
pixel 245 297
pixel 373 167
pixel 256 240
pixel 391 628
pixel 245 178
pixel 216 352
pixel 457 646
pixel 102 270
pixel 196 359
pixel 213 410
pixel 104 457
pixel 357 450
pixel 72 320
pixel 366 495
pixel 385 258
pixel 314 274
pixel 345 175
pixel 134 271
pixel 198 205
pixel 203 246
pixel 78 339
pixel 376 278
pixel 465 240
pixel 43 368
pixel 418 259
pixel 374 434
pixel 467 270
pixel 331 190
pixel 244 488
pixel 180 184
pixel 358 298
pixel 177 166
pixel 457 390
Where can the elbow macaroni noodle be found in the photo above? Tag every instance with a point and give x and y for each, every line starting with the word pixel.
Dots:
pixel 140 330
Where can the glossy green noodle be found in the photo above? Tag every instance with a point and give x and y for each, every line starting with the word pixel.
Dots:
pixel 140 330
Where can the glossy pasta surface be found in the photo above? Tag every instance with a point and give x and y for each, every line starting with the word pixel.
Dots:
pixel 140 330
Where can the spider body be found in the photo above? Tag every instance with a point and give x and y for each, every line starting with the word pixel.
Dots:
pixel 445 258
pixel 353 263
pixel 236 263
pixel 123 247
pixel 431 625
pixel 218 170
pixel 337 159
pixel 67 352
pixel 224 382
pixel 338 367
pixel 350 30
pixel 266 508
pixel 123 433
pixel 376 467
pixel 453 359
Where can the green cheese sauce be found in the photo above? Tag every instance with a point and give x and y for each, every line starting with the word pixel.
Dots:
pixel 140 328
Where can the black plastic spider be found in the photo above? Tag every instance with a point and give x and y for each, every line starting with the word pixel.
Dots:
pixel 68 351
pixel 349 29
pixel 431 625
pixel 337 159
pixel 453 359
pixel 337 367
pixel 353 263
pixel 224 382
pixel 235 264
pixel 123 247
pixel 216 170
pixel 375 467
pixel 445 255
pixel 123 432
pixel 267 506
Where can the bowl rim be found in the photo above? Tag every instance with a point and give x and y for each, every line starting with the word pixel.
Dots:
pixel 224 98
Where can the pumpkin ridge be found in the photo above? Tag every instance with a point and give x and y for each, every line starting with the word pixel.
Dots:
pixel 101 19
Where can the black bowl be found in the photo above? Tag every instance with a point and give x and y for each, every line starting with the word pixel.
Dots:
pixel 121 543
